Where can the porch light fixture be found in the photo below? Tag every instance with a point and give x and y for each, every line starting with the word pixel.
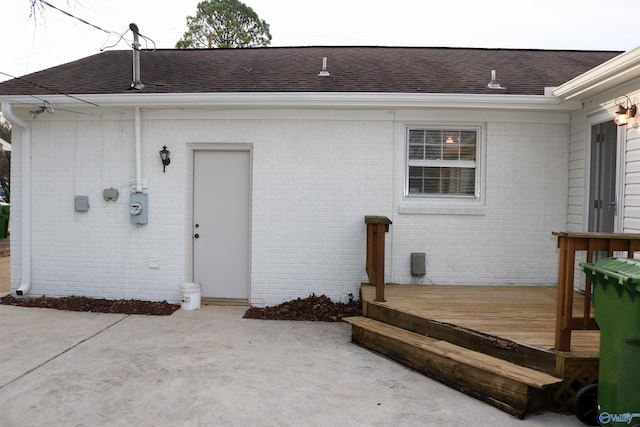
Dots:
pixel 164 157
pixel 625 113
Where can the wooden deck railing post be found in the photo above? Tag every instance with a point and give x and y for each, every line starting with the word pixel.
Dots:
pixel 563 340
pixel 377 226
pixel 569 244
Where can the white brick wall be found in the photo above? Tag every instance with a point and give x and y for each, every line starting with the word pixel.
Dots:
pixel 316 174
pixel 507 241
pixel 312 189
pixel 99 253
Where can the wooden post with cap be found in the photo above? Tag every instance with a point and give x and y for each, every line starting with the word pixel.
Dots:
pixel 377 226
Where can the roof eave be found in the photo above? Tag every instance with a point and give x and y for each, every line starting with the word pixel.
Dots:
pixel 308 100
pixel 622 68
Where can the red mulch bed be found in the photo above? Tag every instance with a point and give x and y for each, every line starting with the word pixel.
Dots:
pixel 96 305
pixel 319 309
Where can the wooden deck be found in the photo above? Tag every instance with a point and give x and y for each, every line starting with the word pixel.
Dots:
pixel 522 314
pixel 513 325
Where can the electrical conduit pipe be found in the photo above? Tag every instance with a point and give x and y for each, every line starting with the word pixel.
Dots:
pixel 138 142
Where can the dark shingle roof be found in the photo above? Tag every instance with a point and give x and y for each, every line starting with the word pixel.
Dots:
pixel 295 69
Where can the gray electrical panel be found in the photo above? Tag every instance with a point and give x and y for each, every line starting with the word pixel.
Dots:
pixel 81 203
pixel 418 264
pixel 139 208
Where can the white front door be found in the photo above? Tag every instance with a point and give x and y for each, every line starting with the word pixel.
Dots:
pixel 221 223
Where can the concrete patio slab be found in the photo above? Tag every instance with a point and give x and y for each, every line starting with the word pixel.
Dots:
pixel 211 367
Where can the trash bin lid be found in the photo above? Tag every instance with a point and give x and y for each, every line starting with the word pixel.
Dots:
pixel 624 271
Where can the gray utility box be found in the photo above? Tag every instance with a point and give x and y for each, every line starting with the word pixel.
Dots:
pixel 418 264
pixel 81 203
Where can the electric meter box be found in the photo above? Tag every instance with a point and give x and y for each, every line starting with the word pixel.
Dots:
pixel 139 208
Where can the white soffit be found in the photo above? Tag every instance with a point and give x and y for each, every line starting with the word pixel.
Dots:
pixel 612 73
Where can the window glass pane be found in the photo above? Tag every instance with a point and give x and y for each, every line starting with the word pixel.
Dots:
pixel 416 180
pixel 416 152
pixel 433 152
pixel 433 141
pixel 433 137
pixel 451 150
pixel 458 181
pixel 467 145
pixel 433 181
pixel 468 137
pixel 451 137
pixel 416 136
pixel 467 181
pixel 467 152
pixel 416 144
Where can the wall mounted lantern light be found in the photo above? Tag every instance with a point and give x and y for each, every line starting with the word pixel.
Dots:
pixel 625 113
pixel 164 156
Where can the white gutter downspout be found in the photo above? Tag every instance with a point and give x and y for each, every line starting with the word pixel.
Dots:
pixel 138 151
pixel 25 208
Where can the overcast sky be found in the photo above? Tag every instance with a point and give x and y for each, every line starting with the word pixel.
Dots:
pixel 50 38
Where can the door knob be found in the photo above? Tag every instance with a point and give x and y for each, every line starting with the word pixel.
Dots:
pixel 196 235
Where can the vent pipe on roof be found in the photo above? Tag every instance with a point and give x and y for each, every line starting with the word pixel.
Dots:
pixel 493 84
pixel 136 83
pixel 324 72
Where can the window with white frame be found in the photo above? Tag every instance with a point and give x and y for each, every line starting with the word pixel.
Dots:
pixel 442 161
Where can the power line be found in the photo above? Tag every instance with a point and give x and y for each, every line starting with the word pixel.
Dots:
pixel 4 99
pixel 49 89
pixel 110 33
pixel 84 21
pixel 75 17
pixel 120 37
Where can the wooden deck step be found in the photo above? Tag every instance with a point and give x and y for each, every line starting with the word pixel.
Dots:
pixel 522 354
pixel 512 388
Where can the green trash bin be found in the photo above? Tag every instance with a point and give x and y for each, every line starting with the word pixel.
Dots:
pixel 616 297
pixel 4 220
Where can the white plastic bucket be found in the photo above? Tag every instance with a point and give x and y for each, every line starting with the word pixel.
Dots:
pixel 190 293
